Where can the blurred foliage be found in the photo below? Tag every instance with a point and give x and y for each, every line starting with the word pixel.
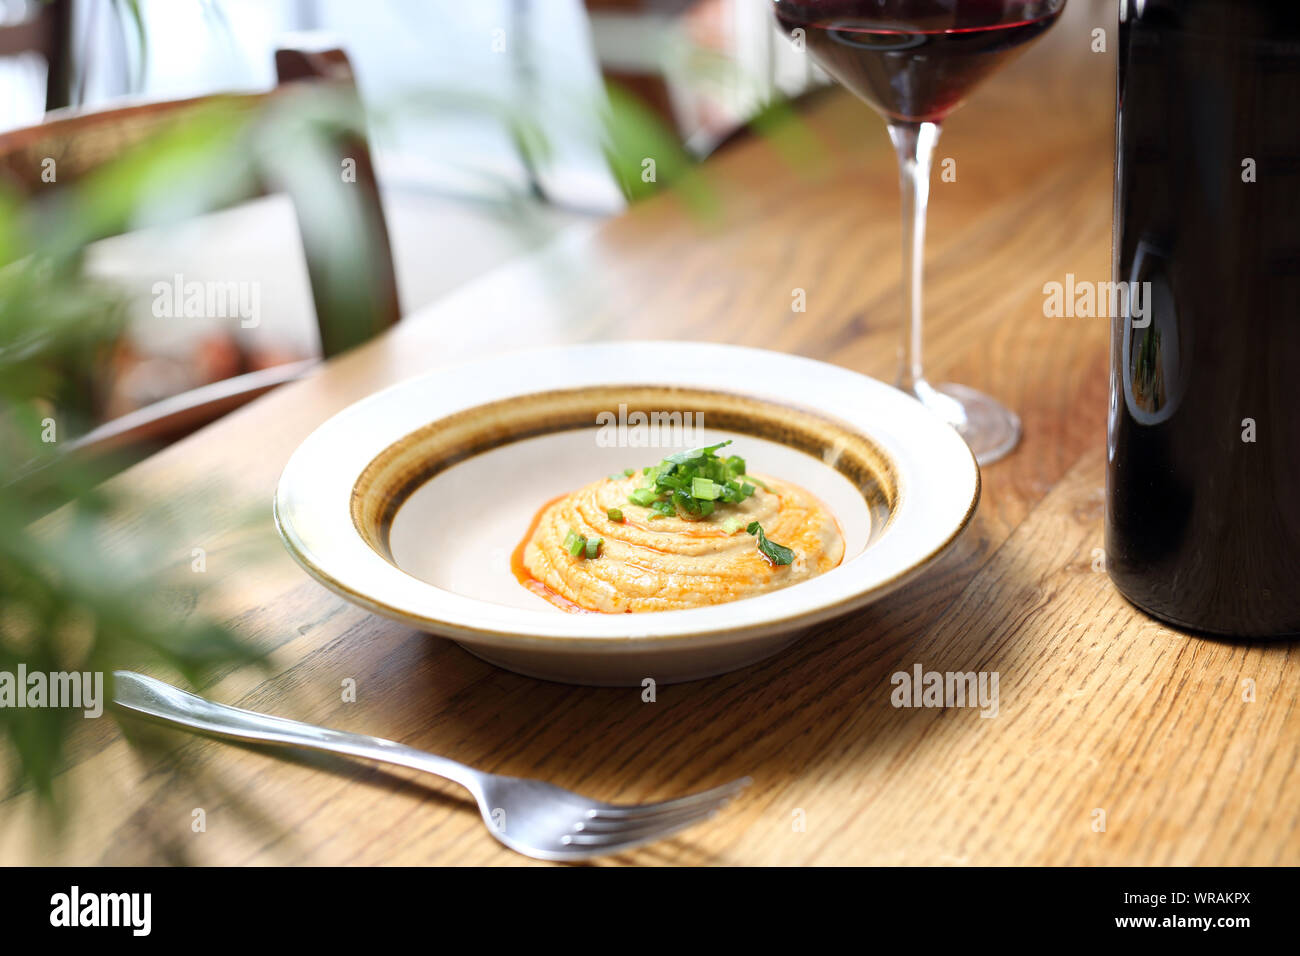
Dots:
pixel 634 138
pixel 76 596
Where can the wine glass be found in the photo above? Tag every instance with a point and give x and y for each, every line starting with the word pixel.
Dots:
pixel 914 62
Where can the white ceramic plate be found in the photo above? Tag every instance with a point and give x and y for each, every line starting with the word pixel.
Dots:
pixel 410 502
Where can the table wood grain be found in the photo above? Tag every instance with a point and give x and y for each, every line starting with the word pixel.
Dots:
pixel 1102 710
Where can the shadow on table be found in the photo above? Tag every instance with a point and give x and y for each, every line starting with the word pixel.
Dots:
pixel 824 703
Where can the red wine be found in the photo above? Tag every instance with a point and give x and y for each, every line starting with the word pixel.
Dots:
pixel 1203 483
pixel 915 59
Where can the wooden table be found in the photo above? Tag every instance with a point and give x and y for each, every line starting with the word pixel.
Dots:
pixel 1102 709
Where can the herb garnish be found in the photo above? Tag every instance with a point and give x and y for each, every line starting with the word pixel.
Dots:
pixel 776 553
pixel 693 484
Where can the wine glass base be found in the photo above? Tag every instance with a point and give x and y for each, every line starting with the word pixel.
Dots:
pixel 990 428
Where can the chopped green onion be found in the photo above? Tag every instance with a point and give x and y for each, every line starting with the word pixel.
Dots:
pixel 629 472
pixel 682 457
pixel 614 514
pixel 670 482
pixel 705 489
pixel 732 525
pixel 574 543
pixel 693 484
pixel 593 547
pixel 643 497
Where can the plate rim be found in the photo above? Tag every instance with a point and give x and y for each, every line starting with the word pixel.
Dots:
pixel 665 628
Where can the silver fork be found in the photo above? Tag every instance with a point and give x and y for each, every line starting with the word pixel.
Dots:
pixel 529 816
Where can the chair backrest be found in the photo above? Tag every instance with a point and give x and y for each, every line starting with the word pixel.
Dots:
pixel 80 142
pixel 47 31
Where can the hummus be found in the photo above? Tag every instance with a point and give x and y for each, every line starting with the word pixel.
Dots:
pixel 650 562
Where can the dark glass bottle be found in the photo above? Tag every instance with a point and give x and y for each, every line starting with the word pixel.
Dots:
pixel 1203 479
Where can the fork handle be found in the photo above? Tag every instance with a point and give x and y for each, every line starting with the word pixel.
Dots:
pixel 160 701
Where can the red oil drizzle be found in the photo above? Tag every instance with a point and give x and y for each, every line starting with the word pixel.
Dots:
pixel 525 577
pixel 549 594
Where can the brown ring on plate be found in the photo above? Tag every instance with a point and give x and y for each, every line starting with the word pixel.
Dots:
pixel 402 467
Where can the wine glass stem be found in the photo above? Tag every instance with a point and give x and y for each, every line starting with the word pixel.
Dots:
pixel 914 143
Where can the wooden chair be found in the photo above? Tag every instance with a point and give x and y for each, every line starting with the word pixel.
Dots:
pixel 647 82
pixel 47 31
pixel 82 142
pixel 648 85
